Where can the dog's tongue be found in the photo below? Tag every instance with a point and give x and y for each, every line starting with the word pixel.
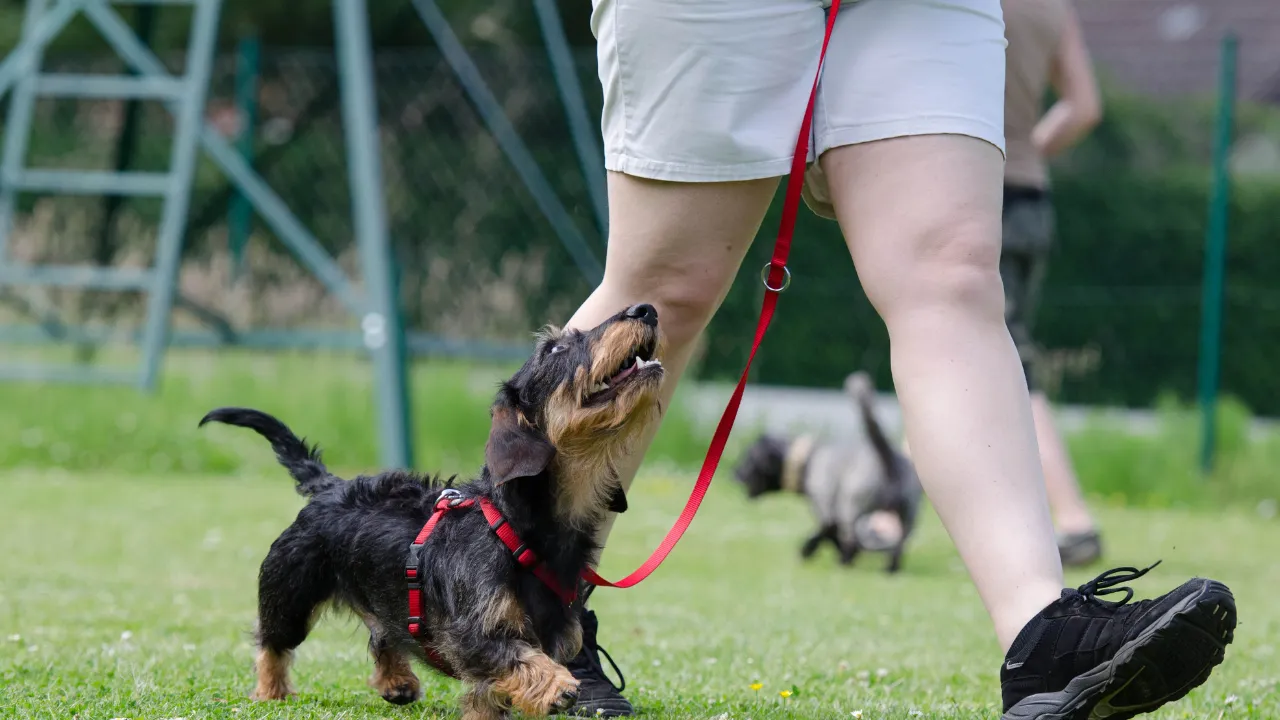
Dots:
pixel 623 375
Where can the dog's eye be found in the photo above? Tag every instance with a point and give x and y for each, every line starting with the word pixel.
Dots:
pixel 555 349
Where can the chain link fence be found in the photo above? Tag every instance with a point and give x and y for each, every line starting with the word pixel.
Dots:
pixel 479 262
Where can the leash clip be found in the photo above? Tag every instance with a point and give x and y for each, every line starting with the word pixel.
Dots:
pixel 764 277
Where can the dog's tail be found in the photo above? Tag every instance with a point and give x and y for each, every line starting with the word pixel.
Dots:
pixel 860 387
pixel 302 462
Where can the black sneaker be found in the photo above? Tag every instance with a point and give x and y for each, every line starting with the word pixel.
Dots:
pixel 597 695
pixel 1078 549
pixel 1083 658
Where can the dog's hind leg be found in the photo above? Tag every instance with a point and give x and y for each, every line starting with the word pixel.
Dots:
pixel 393 676
pixel 293 582
pixel 849 547
pixel 895 558
pixel 826 532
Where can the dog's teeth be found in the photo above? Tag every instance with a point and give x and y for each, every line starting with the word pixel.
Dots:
pixel 599 388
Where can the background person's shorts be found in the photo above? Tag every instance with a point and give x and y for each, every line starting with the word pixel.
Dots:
pixel 1027 221
pixel 714 90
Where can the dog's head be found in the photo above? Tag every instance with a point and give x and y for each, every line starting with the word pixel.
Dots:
pixel 575 407
pixel 760 469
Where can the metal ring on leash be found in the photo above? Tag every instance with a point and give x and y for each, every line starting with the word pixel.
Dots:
pixel 764 278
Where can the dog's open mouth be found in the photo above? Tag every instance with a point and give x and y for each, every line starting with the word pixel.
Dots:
pixel 639 364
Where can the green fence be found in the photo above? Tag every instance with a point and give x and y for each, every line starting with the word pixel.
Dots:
pixel 1119 315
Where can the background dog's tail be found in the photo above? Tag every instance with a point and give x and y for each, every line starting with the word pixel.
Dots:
pixel 302 462
pixel 860 387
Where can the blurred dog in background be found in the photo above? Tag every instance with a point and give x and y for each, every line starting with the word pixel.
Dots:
pixel 847 481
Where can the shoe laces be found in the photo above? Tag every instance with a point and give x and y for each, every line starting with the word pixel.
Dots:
pixel 591 650
pixel 1109 582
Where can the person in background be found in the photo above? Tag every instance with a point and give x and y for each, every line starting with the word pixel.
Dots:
pixel 1046 49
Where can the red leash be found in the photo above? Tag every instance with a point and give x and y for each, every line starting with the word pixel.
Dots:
pixel 776 278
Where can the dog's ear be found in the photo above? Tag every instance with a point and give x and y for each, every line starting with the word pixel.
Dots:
pixel 618 500
pixel 515 448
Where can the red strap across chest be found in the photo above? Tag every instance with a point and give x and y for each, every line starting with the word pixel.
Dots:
pixel 505 533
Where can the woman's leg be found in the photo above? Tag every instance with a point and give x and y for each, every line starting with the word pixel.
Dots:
pixel 676 246
pixel 922 218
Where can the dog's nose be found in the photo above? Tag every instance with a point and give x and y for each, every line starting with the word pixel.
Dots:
pixel 645 313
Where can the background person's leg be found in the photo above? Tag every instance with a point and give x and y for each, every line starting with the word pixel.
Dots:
pixel 1027 239
pixel 1070 512
pixel 1078 539
pixel 922 217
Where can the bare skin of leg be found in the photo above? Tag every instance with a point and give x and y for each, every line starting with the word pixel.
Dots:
pixel 677 246
pixel 922 218
pixel 1070 512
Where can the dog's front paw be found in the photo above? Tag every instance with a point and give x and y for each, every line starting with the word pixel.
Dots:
pixel 399 688
pixel 540 686
pixel 402 693
pixel 568 698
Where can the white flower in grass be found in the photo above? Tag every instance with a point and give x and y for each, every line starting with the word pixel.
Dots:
pixel 1232 700
pixel 856 713
pixel 126 636
pixel 15 638
pixel 882 673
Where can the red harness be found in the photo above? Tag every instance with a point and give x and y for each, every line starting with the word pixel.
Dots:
pixel 451 500
pixel 776 278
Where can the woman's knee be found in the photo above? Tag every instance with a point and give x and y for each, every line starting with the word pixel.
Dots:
pixel 686 297
pixel 951 262
pixel 679 245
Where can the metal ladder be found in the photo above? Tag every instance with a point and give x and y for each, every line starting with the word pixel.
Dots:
pixel 185 98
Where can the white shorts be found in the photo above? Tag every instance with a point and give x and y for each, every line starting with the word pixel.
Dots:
pixel 715 90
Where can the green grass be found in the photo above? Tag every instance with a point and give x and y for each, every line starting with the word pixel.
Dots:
pixel 128 596
pixel 1163 470
pixel 327 397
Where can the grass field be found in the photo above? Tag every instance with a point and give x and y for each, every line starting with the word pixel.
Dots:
pixel 132 597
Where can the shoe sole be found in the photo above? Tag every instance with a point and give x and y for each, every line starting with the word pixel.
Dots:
pixel 1171 657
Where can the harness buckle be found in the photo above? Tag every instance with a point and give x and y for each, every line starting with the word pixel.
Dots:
pixel 450 498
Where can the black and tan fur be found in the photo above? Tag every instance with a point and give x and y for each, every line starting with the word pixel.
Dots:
pixel 559 426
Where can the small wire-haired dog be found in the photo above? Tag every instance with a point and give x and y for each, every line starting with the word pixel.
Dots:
pixel 846 481
pixel 495 615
